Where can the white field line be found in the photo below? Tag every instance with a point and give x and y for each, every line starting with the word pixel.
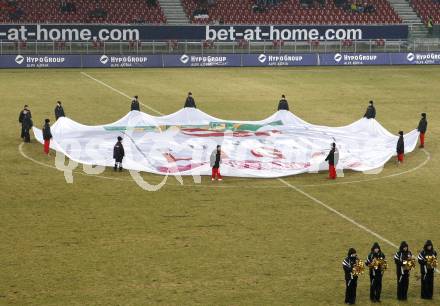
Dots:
pixel 317 201
pixel 328 207
pixel 119 92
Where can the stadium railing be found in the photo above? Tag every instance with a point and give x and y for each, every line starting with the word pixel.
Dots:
pixel 212 47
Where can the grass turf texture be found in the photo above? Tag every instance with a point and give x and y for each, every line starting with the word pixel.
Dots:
pixel 240 242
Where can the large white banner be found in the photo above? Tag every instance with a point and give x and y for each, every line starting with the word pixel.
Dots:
pixel 181 144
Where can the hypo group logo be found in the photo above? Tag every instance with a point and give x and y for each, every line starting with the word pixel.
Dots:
pixel 204 60
pixel 428 58
pixel 104 59
pixel 280 59
pixel 184 58
pixel 19 59
pixel 338 57
pixel 262 58
pixel 35 61
pixel 123 61
pixel 353 59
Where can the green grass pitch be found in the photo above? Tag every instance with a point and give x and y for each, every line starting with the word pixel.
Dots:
pixel 104 241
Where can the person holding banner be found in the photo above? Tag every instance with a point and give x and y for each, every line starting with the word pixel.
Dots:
pixel 371 111
pixel 59 111
pixel 118 154
pixel 135 104
pixel 25 112
pixel 283 104
pixel 47 135
pixel 423 125
pixel 215 161
pixel 190 101
pixel 332 158
pixel 400 149
pixel 26 125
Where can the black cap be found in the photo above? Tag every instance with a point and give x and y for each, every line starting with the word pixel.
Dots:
pixel 375 246
pixel 401 133
pixel 402 245
pixel 371 102
pixel 283 96
pixel 424 115
pixel 119 138
pixel 428 242
pixel 135 97
pixel 189 93
pixel 47 120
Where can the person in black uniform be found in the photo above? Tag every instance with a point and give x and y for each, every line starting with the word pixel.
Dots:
pixel 26 125
pixel 400 148
pixel 402 255
pixel 375 272
pixel 350 279
pixel 59 111
pixel 20 118
pixel 135 104
pixel 426 270
pixel 371 111
pixel 283 104
pixel 118 154
pixel 190 101
pixel 423 125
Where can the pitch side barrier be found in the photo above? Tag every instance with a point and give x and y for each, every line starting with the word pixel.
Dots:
pixel 218 60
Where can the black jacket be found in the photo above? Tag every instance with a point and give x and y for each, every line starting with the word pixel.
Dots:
pixel 190 102
pixel 400 146
pixel 20 117
pixel 47 135
pixel 59 112
pixel 348 265
pixel 423 125
pixel 135 105
pixel 331 157
pixel 118 151
pixel 370 113
pixel 26 121
pixel 399 257
pixel 283 105
pixel 424 268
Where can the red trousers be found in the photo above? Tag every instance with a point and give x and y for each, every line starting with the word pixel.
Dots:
pixel 216 173
pixel 400 157
pixel 422 139
pixel 331 172
pixel 46 146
